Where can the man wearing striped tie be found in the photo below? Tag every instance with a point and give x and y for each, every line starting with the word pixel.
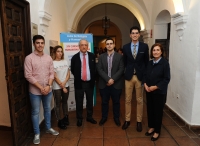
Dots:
pixel 136 57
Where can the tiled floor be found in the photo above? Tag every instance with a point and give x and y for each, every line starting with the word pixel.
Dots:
pixel 174 132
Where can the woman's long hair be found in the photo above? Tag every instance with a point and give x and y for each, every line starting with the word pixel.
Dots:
pixel 54 52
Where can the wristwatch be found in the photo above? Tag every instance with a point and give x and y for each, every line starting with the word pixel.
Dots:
pixel 49 85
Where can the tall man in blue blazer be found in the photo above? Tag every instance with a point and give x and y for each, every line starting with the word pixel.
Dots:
pixel 110 68
pixel 136 57
pixel 83 69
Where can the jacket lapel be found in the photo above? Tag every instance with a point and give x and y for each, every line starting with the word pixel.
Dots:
pixel 114 58
pixel 105 60
pixel 129 51
pixel 139 50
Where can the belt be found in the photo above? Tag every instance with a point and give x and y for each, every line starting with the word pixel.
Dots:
pixel 85 81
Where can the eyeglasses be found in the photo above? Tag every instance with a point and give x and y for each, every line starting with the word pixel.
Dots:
pixel 109 43
pixel 134 32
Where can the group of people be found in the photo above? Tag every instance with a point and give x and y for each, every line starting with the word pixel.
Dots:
pixel 45 74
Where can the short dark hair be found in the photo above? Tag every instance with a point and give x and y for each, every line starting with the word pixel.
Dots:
pixel 54 52
pixel 134 27
pixel 161 48
pixel 36 37
pixel 109 39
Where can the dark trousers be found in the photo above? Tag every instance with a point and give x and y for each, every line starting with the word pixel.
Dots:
pixel 79 96
pixel 106 93
pixel 61 98
pixel 155 105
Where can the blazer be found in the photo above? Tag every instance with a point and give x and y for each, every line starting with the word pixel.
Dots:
pixel 139 63
pixel 159 75
pixel 76 69
pixel 116 71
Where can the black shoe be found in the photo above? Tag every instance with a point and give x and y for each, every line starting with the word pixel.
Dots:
pixel 61 125
pixel 139 126
pixel 117 122
pixel 154 139
pixel 66 120
pixel 149 134
pixel 126 124
pixel 102 121
pixel 91 121
pixel 79 123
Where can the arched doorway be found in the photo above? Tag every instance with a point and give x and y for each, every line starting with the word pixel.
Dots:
pixel 99 37
pixel 121 19
pixel 162 27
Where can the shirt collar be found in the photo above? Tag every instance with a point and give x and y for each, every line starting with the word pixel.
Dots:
pixel 137 44
pixel 155 62
pixel 36 53
pixel 111 54
pixel 83 53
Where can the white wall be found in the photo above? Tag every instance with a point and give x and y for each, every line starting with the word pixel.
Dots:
pixel 160 31
pixel 184 60
pixel 57 24
pixel 4 105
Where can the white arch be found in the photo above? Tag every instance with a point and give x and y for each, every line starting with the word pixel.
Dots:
pixel 79 10
pixel 163 17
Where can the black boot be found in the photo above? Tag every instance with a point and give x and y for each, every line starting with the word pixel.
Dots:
pixel 66 120
pixel 61 124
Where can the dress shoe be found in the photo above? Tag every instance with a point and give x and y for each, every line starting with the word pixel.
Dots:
pixel 117 122
pixel 91 121
pixel 79 123
pixel 61 124
pixel 148 134
pixel 154 139
pixel 102 121
pixel 126 124
pixel 139 126
pixel 66 120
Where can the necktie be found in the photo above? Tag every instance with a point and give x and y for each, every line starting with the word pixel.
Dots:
pixel 134 52
pixel 109 65
pixel 134 55
pixel 84 71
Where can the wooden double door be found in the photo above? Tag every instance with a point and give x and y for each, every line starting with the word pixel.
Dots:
pixel 16 33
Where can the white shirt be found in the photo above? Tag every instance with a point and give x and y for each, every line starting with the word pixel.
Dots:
pixel 61 69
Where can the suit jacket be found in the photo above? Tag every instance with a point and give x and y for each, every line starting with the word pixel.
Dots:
pixel 116 71
pixel 159 75
pixel 139 63
pixel 76 69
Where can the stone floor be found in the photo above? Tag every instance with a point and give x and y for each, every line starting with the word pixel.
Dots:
pixel 173 133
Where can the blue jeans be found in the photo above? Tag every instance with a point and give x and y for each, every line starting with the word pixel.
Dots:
pixel 35 103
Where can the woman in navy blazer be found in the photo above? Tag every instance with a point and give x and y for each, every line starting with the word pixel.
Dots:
pixel 156 81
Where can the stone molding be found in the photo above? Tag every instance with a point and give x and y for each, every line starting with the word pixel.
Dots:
pixel 147 34
pixel 45 17
pixel 180 20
